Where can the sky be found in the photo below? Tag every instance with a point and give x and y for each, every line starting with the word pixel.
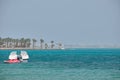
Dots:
pixel 67 21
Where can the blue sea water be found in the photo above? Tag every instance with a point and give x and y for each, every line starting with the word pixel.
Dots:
pixel 68 64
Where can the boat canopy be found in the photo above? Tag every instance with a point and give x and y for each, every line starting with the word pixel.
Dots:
pixel 13 55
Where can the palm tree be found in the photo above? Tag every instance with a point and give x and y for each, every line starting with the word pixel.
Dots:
pixel 34 41
pixel 46 46
pixel 28 42
pixel 10 42
pixel 4 42
pixel 41 43
pixel 21 42
pixel 13 42
pixel 25 43
pixel 7 40
pixel 17 42
pixel 52 44
pixel 59 45
pixel 1 42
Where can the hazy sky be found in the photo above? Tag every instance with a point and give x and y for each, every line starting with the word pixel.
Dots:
pixel 67 21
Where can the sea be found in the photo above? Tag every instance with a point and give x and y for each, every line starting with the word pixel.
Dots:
pixel 67 64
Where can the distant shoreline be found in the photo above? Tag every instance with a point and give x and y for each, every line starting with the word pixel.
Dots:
pixel 58 48
pixel 28 49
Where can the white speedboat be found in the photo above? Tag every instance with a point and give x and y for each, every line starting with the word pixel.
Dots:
pixel 13 58
pixel 24 56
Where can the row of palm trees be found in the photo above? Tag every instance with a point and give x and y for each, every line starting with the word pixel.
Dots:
pixel 26 43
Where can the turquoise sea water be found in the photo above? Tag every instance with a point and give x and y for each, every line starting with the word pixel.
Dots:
pixel 68 64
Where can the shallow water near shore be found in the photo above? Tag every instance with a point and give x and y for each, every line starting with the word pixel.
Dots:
pixel 68 64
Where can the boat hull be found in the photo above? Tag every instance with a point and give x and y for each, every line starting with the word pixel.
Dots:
pixel 12 61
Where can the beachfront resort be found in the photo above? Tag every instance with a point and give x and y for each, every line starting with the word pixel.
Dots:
pixel 27 43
